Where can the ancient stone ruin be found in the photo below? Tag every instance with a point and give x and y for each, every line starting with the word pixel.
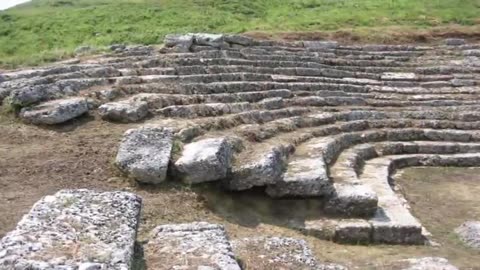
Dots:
pixel 305 119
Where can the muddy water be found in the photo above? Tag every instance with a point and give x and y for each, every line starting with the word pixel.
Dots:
pixel 251 208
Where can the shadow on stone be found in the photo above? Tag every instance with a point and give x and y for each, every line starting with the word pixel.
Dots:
pixel 139 262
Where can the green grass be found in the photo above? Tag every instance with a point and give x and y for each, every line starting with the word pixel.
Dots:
pixel 47 30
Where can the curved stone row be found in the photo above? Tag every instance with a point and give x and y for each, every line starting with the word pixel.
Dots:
pixel 25 89
pixel 392 222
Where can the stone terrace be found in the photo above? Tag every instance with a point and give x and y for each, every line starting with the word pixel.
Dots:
pixel 300 119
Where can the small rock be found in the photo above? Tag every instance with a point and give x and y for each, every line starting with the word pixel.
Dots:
pixel 55 112
pixel 265 171
pixel 204 161
pixel 320 44
pixel 469 233
pixel 213 40
pixel 454 41
pixel 108 94
pixel 117 47
pixel 240 40
pixel 181 42
pixel 124 111
pixel 82 50
pixel 272 103
pixel 90 266
pixel 144 154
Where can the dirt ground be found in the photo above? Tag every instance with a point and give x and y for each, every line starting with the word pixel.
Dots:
pixel 380 35
pixel 35 162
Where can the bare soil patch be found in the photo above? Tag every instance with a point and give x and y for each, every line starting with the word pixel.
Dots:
pixel 381 35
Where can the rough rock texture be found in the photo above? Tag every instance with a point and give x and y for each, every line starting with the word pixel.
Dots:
pixel 469 233
pixel 304 177
pixel 181 42
pixel 124 111
pixel 267 170
pixel 352 200
pixel 55 111
pixel 213 40
pixel 204 161
pixel 278 253
pixel 455 41
pixel 318 45
pixel 74 229
pixel 426 263
pixel 144 154
pixel 190 246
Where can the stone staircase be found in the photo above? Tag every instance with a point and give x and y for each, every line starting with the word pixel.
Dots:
pixel 301 119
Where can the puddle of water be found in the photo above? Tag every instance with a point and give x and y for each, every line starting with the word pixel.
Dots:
pixel 250 208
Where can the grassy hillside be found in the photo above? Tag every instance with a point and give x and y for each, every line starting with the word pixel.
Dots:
pixel 45 30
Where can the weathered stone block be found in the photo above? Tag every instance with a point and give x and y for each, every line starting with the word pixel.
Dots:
pixel 469 233
pixel 204 161
pixel 75 229
pixel 55 112
pixel 194 245
pixel 144 154
pixel 126 111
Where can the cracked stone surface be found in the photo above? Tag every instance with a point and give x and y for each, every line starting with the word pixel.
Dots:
pixel 469 233
pixel 144 154
pixel 199 245
pixel 74 229
pixel 55 111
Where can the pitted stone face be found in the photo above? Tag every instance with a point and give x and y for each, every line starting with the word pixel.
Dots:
pixel 469 233
pixel 55 112
pixel 74 229
pixel 202 245
pixel 144 154
pixel 204 161
pixel 279 253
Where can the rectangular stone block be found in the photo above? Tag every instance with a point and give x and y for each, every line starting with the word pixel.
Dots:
pixel 75 229
pixel 197 245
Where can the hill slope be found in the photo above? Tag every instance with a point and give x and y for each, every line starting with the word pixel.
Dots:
pixel 46 30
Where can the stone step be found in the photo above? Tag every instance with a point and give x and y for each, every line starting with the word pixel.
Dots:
pixel 346 65
pixel 48 71
pixel 350 163
pixel 235 87
pixel 292 71
pixel 316 126
pixel 55 112
pixel 202 125
pixel 199 245
pixel 265 167
pixel 392 223
pixel 350 198
pixel 258 126
pixel 243 77
pixel 29 95
pixel 75 229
